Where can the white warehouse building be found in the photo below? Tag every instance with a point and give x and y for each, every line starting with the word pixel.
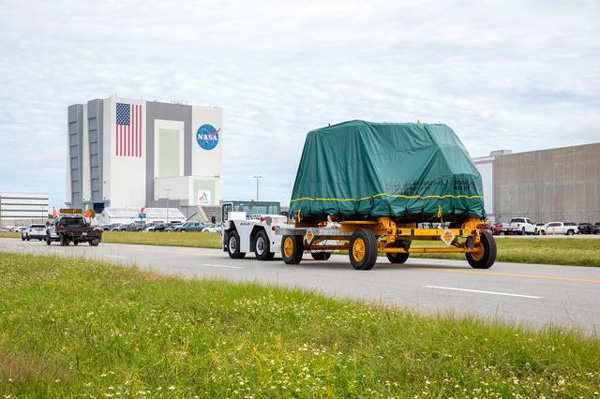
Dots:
pixel 17 209
pixel 127 154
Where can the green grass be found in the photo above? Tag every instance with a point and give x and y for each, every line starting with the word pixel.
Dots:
pixel 75 328
pixel 199 240
pixel 10 234
pixel 568 251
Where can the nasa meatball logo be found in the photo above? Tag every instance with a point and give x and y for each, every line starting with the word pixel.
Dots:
pixel 207 137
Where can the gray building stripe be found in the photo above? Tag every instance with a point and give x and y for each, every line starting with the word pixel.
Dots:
pixel 75 130
pixel 95 135
pixel 170 112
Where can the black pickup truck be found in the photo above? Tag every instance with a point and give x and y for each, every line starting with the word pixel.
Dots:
pixel 72 228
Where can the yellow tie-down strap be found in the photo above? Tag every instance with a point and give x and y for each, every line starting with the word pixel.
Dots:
pixel 421 197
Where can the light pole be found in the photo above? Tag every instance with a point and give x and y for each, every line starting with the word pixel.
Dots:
pixel 257 177
pixel 168 190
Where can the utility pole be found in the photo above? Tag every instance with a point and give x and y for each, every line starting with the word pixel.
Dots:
pixel 257 177
pixel 168 190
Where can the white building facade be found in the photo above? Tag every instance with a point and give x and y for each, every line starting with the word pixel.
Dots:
pixel 17 209
pixel 126 153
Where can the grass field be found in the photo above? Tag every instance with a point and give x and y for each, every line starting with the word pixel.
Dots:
pixel 200 240
pixel 574 251
pixel 568 251
pixel 74 328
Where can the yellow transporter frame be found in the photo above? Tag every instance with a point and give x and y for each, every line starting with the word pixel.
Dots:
pixel 392 239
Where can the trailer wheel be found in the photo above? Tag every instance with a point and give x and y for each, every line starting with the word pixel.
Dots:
pixel 233 246
pixel 363 249
pixel 262 246
pixel 292 248
pixel 397 257
pixel 320 255
pixel 484 255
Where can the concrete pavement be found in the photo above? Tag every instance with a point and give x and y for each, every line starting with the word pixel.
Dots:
pixel 532 295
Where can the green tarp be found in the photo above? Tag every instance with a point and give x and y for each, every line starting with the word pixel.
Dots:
pixel 408 171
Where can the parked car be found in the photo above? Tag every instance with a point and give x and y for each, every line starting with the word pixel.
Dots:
pixel 538 228
pixel 160 227
pixel 595 229
pixel 497 229
pixel 173 226
pixel 191 226
pixel 553 228
pixel 133 226
pixel 34 231
pixel 211 229
pixel 519 226
pixel 585 228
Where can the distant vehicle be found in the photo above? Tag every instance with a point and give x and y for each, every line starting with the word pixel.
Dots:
pixel 34 231
pixel 211 229
pixel 133 226
pixel 497 229
pixel 538 228
pixel 108 227
pixel 585 228
pixel 72 228
pixel 192 226
pixel 519 226
pixel 172 226
pixel 159 227
pixel 553 228
pixel 595 229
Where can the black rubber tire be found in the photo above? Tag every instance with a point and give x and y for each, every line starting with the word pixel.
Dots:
pixel 489 253
pixel 94 243
pixel 370 256
pixel 570 232
pixel 397 257
pixel 22 237
pixel 295 257
pixel 63 241
pixel 75 242
pixel 266 254
pixel 234 238
pixel 28 239
pixel 320 255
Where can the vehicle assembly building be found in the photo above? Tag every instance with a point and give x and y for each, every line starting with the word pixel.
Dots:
pixel 561 184
pixel 127 154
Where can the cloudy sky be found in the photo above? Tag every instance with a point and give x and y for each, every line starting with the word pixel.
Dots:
pixel 520 75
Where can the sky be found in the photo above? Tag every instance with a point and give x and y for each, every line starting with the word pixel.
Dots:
pixel 518 75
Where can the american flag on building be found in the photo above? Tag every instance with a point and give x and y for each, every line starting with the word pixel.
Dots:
pixel 129 130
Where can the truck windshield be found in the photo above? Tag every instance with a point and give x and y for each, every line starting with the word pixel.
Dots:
pixel 259 209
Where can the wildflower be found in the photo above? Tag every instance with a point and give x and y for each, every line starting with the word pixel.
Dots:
pixel 172 388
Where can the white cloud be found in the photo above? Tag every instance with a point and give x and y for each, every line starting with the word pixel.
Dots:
pixel 503 74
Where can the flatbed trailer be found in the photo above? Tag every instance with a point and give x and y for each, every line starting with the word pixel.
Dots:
pixel 365 239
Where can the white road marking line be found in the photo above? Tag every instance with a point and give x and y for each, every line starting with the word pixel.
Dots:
pixel 225 266
pixel 483 292
pixel 114 256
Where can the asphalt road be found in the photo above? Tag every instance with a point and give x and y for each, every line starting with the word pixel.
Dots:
pixel 531 295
